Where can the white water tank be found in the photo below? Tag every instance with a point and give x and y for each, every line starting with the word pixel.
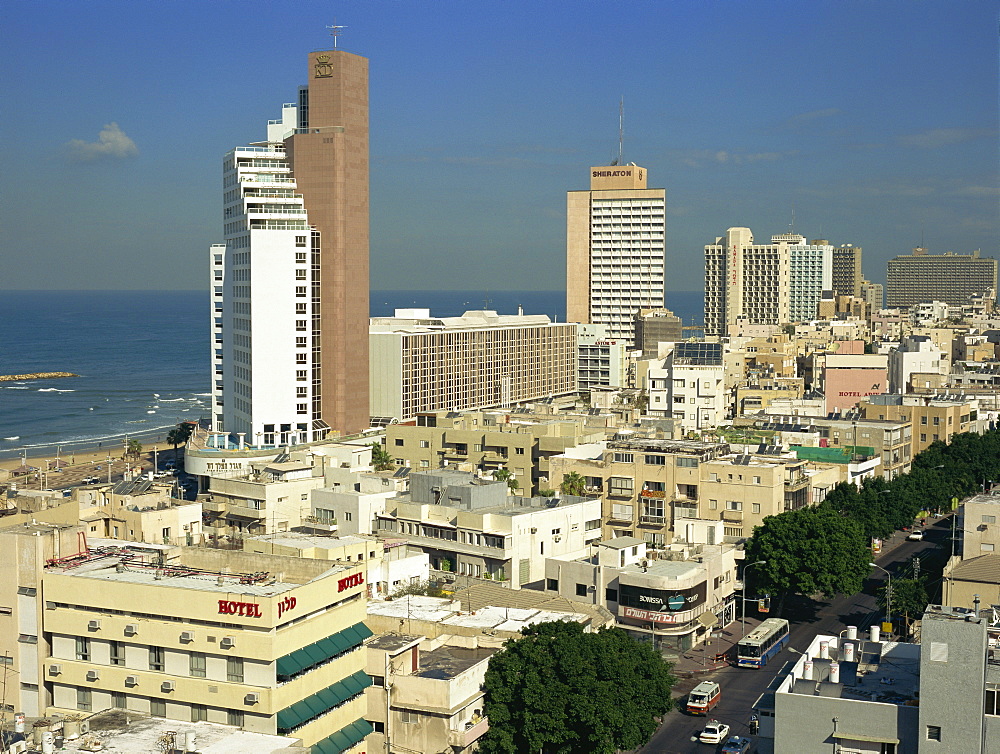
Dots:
pixel 834 672
pixel 876 633
pixel 852 632
pixel 824 650
pixel 807 670
pixel 48 742
pixel 189 741
pixel 848 651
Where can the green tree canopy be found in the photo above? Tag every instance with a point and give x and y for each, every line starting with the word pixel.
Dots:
pixel 381 459
pixel 179 435
pixel 573 484
pixel 809 551
pixel 559 690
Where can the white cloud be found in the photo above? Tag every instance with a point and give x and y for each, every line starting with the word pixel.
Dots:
pixel 112 143
pixel 801 118
pixel 942 137
pixel 700 158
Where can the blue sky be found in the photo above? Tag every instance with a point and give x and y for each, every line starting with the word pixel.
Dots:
pixel 875 123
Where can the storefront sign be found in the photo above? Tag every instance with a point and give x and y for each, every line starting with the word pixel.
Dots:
pixel 647 615
pixel 661 600
pixel 245 609
pixel 355 580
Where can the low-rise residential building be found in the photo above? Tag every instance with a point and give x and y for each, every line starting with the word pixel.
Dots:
pixel 932 418
pixel 420 363
pixel 427 694
pixel 672 598
pixel 915 354
pixel 266 643
pixel 487 441
pixel 866 694
pixel 471 527
pixel 688 383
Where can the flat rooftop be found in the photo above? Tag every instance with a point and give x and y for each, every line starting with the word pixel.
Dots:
pixel 297 539
pixel 449 612
pixel 132 733
pixel 446 662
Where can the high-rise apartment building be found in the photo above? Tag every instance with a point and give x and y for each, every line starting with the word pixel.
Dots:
pixel 952 278
pixel 846 269
pixel 766 284
pixel 290 283
pixel 615 246
pixel 872 294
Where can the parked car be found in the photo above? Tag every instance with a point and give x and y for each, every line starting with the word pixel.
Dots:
pixel 90 480
pixel 714 733
pixel 737 745
pixel 915 536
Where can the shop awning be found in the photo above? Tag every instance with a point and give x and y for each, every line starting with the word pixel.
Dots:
pixel 322 650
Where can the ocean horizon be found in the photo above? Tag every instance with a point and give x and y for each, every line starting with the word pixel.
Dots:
pixel 143 358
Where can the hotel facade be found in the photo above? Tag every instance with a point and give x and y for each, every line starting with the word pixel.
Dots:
pixel 269 644
pixel 615 249
pixel 290 283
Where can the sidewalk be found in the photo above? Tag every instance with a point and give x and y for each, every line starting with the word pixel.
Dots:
pixel 714 653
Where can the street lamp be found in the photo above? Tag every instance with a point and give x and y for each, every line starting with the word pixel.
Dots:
pixel 888 592
pixel 743 617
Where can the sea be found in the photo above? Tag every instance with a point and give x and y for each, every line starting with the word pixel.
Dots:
pixel 142 358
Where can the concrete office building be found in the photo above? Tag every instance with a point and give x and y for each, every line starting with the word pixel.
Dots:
pixel 846 269
pixel 863 694
pixel 603 362
pixel 290 283
pixel 873 295
pixel 615 249
pixel 954 278
pixel 266 643
pixel 421 363
pixel 654 326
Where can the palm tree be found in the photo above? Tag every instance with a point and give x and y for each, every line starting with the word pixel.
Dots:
pixel 573 484
pixel 506 475
pixel 133 449
pixel 381 460
pixel 179 435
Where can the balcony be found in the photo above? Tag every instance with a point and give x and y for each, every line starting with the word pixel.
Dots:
pixel 732 515
pixel 214 506
pixel 652 520
pixel 659 494
pixel 461 739
pixel 242 511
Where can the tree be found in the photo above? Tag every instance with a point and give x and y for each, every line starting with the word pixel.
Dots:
pixel 179 435
pixel 381 460
pixel 425 588
pixel 809 551
pixel 133 449
pixel 559 690
pixel 506 475
pixel 909 598
pixel 573 484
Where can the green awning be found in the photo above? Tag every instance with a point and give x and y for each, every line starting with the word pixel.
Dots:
pixel 344 738
pixel 330 696
pixel 315 654
pixel 365 632
pixel 360 729
pixel 288 718
pixel 323 650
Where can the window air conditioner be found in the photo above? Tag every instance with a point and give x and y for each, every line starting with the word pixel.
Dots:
pixel 167 686
pixel 131 680
pixel 93 675
pixel 227 642
pixel 534 530
pixel 55 669
pixel 131 629
pixel 251 698
pixel 187 636
pixel 93 625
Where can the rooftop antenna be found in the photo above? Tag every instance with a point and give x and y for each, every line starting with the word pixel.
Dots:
pixel 335 32
pixel 621 127
pixel 791 226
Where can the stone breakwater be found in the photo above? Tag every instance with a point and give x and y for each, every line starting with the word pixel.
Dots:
pixel 35 376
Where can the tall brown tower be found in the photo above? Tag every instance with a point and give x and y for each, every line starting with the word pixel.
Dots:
pixel 329 159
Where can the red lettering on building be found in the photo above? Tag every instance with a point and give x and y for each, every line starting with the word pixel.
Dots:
pixel 285 605
pixel 246 609
pixel 355 580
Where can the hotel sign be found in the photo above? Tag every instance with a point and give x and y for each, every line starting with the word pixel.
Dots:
pixel 243 609
pixel 355 580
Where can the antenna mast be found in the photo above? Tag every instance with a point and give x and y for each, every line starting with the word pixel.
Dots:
pixel 621 130
pixel 335 32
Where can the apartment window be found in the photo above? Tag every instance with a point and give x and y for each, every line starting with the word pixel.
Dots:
pixel 552 585
pixel 425 464
pixel 425 444
pixel 300 240
pixel 923 438
pixel 82 648
pixel 923 420
pixel 713 505
pixel 156 658
pixel 119 700
pixel 300 291
pixel 301 341
pixel 301 358
pixel 656 460
pixel 302 408
pixel 84 700
pixel 300 257
pixel 301 374
pixel 755 507
pixel 734 505
pixel 300 324
pixel 933 731
pixel 347 515
pixel 302 392
pixel 197 665
pixel 519 451
pixel 199 713
pixel 117 653
pixel 405 716
pixel 234 718
pixel 581 590
pixel 27 591
pixel 989 519
pixel 624 458
pixel 300 308
pixel 619 485
pixel 621 512
pixel 687 463
pixel 234 669
pixel 592 524
pixel 398 442
pixel 756 480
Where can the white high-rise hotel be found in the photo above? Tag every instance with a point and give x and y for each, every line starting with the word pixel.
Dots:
pixel 770 284
pixel 290 283
pixel 614 249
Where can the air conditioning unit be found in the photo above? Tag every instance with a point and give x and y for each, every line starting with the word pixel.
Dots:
pixel 131 680
pixel 534 530
pixel 93 625
pixel 55 669
pixel 251 698
pixel 187 636
pixel 93 675
pixel 167 686
pixel 227 642
pixel 131 629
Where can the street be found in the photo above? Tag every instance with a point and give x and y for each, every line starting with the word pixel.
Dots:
pixel 741 687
